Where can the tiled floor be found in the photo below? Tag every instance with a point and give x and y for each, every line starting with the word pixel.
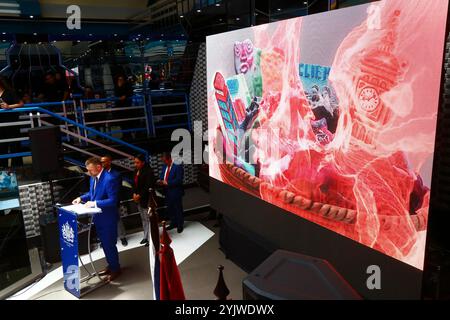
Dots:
pixel 199 272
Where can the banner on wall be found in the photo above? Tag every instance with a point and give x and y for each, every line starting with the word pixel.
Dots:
pixel 332 117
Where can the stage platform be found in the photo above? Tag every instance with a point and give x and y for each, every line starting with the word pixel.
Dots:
pixel 184 244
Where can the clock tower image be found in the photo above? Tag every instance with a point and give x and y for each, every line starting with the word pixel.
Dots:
pixel 379 71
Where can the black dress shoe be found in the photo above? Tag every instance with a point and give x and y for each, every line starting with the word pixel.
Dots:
pixel 124 242
pixel 180 229
pixel 104 272
pixel 114 275
pixel 171 227
pixel 147 244
pixel 144 241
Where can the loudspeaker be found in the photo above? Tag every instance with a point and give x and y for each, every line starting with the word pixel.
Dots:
pixel 289 275
pixel 51 244
pixel 46 150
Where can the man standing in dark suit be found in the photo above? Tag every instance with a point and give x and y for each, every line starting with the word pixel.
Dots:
pixel 103 194
pixel 107 165
pixel 144 179
pixel 171 179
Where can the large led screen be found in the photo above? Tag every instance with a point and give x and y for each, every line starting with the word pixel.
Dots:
pixel 332 117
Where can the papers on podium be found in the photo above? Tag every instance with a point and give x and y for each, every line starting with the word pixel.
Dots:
pixel 81 209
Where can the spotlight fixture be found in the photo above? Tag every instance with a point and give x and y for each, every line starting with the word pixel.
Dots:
pixel 31 17
pixel 217 4
pixel 237 19
pixel 182 16
pixel 278 9
pixel 198 10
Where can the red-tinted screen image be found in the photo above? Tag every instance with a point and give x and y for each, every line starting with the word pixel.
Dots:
pixel 332 117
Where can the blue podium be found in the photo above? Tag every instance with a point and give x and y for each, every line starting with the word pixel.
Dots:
pixel 69 227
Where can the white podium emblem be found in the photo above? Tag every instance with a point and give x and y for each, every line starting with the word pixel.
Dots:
pixel 67 232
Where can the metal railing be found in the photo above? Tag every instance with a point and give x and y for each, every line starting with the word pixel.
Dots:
pixel 80 109
pixel 37 113
pixel 75 118
pixel 155 115
pixel 107 108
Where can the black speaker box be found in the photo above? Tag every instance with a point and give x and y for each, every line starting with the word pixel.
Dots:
pixel 46 150
pixel 288 275
pixel 51 242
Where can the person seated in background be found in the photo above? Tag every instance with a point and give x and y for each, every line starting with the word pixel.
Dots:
pixel 26 98
pixel 88 93
pixel 52 90
pixel 8 101
pixel 62 84
pixel 124 91
pixel 144 179
pixel 154 81
pixel 171 180
pixel 107 165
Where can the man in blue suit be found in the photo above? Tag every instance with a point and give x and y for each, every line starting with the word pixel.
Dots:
pixel 107 165
pixel 171 179
pixel 103 194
